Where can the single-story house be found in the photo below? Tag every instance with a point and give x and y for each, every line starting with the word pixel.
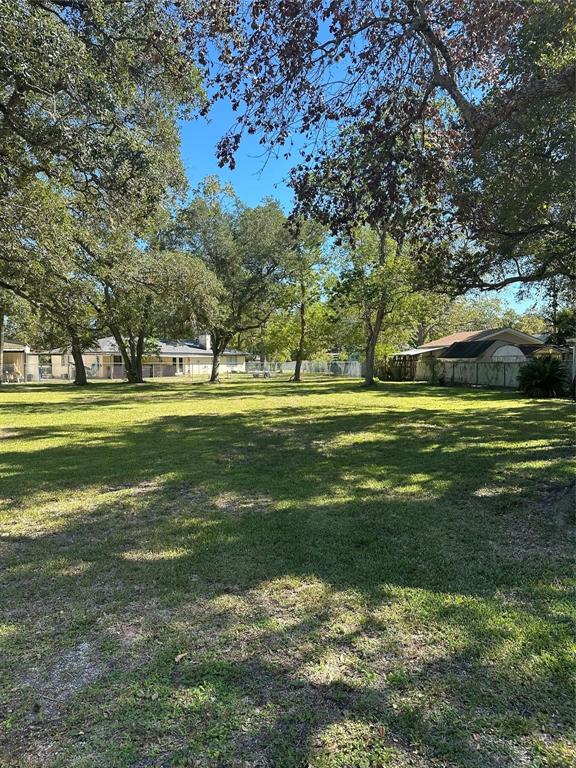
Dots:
pixel 19 362
pixel 170 358
pixel 491 345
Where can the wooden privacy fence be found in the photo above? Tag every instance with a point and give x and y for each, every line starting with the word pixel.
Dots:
pixel 481 373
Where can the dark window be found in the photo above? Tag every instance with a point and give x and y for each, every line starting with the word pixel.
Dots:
pixel 117 359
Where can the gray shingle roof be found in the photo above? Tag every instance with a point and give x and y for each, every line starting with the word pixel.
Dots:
pixel 166 348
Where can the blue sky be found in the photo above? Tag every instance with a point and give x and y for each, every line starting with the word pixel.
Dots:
pixel 254 176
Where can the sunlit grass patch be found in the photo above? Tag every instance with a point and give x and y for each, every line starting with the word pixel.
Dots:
pixel 257 574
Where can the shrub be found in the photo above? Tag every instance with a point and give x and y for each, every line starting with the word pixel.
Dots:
pixel 543 377
pixel 389 371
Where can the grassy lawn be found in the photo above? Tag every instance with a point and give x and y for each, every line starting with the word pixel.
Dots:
pixel 271 575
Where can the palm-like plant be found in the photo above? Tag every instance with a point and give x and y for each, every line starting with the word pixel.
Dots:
pixel 543 377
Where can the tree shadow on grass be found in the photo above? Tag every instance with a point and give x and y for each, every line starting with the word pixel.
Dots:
pixel 343 492
pixel 247 654
pixel 391 442
pixel 378 583
pixel 100 394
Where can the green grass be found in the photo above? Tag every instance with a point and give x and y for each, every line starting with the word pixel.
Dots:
pixel 273 575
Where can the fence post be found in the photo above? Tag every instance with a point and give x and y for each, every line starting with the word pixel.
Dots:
pixel 504 367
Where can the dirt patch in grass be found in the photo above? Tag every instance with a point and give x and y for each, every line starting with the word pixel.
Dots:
pixel 73 671
pixel 525 539
pixel 7 434
pixel 559 502
pixel 46 694
pixel 234 505
pixel 135 489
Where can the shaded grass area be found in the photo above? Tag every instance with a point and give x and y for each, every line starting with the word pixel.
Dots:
pixel 264 574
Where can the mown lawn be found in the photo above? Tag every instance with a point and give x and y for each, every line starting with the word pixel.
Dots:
pixel 271 575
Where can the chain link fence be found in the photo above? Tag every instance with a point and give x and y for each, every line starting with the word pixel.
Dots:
pixel 342 368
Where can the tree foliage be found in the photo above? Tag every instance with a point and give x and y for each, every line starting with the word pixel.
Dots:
pixel 375 282
pixel 80 82
pixel 310 64
pixel 245 248
pixel 280 337
pixel 488 85
pixel 151 293
pixel 302 282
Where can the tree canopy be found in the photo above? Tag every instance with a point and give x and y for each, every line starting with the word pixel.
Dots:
pixel 244 247
pixel 479 94
pixel 289 65
pixel 80 82
pixel 436 146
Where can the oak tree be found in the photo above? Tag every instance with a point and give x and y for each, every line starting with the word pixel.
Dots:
pixel 244 247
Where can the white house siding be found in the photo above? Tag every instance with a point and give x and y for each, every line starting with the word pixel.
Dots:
pixel 200 366
pixel 60 367
pixel 100 366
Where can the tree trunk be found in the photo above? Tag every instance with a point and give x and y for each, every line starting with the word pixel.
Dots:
pixel 132 373
pixel 371 342
pixel 297 378
pixel 421 334
pixel 219 344
pixel 140 355
pixel 300 351
pixel 375 327
pixel 132 364
pixel 2 331
pixel 554 309
pixel 130 361
pixel 133 369
pixel 215 375
pixel 80 378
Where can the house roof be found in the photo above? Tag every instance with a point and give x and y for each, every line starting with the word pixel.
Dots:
pixel 11 345
pixel 415 351
pixel 467 349
pixel 166 348
pixel 490 333
pixel 545 349
pixel 446 341
pixel 471 349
